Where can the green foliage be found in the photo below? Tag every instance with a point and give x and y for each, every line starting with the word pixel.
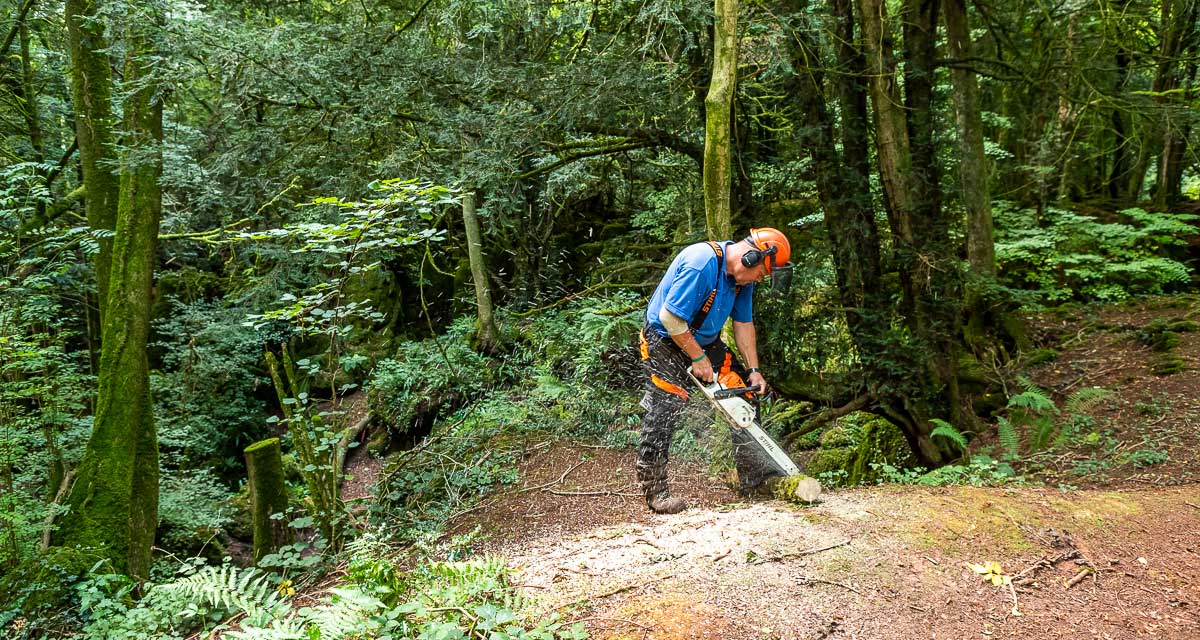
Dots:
pixel 208 390
pixel 946 430
pixel 436 599
pixel 193 510
pixel 1148 457
pixel 45 385
pixel 1009 439
pixel 1069 256
pixel 1033 416
pixel 437 374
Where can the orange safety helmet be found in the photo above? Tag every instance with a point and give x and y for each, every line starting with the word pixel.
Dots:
pixel 770 245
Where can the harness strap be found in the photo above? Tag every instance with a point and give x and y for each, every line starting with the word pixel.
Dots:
pixel 702 313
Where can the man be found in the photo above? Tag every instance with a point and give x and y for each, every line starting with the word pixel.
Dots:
pixel 706 284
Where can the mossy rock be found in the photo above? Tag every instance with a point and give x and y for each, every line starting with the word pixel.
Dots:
pixel 882 443
pixel 987 403
pixel 830 461
pixel 840 436
pixel 1017 330
pixel 971 371
pixel 45 582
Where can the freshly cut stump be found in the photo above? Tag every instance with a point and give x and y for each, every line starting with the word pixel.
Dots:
pixel 798 488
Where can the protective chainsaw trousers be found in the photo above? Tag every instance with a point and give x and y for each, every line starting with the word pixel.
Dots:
pixel 665 367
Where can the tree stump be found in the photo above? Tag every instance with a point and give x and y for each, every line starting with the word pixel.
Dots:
pixel 268 496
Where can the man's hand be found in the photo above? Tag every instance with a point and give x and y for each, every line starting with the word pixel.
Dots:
pixel 703 370
pixel 757 378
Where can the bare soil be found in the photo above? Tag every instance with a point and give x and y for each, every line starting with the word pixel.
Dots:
pixel 1102 544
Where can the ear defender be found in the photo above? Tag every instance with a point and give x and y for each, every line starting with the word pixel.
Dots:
pixel 755 256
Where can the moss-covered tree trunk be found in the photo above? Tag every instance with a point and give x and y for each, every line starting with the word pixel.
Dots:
pixel 486 335
pixel 91 92
pixel 718 116
pixel 972 163
pixel 268 496
pixel 114 503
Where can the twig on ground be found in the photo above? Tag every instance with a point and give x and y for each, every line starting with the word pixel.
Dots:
pixel 1194 506
pixel 1022 578
pixel 805 580
pixel 613 592
pixel 560 480
pixel 1079 577
pixel 807 552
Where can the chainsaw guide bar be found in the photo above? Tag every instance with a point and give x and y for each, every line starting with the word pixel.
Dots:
pixel 739 413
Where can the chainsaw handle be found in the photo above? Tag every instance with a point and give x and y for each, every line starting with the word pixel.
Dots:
pixel 729 393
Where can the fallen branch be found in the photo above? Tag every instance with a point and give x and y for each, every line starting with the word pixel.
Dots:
pixel 64 488
pixel 592 493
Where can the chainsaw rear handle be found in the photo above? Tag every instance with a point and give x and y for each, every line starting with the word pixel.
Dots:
pixel 729 393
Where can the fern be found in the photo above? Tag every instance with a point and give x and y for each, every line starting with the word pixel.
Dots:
pixel 1085 399
pixel 946 430
pixel 1043 430
pixel 348 613
pixel 1034 399
pixel 1008 436
pixel 246 591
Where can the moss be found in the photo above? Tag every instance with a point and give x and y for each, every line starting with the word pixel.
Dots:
pixel 1184 326
pixel 799 489
pixel 839 436
pixel 831 461
pixel 268 496
pixel 1041 356
pixel 45 582
pixel 1016 329
pixel 882 443
pixel 1167 364
pixel 970 371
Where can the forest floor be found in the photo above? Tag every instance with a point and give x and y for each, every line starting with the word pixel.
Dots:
pixel 1100 540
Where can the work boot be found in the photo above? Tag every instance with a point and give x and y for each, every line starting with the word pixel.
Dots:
pixel 654 485
pixel 666 503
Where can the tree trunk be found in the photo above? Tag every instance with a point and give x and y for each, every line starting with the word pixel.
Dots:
pixel 268 496
pixel 1122 159
pixel 115 499
pixel 1177 26
pixel 718 109
pixel 91 91
pixel 890 128
pixel 486 334
pixel 973 170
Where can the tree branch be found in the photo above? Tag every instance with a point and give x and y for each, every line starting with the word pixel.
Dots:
pixel 12 34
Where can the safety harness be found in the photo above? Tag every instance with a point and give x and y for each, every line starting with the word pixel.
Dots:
pixel 702 313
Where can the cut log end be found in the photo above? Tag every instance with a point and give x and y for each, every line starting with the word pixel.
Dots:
pixel 799 489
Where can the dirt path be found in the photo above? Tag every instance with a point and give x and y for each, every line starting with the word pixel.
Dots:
pixel 875 563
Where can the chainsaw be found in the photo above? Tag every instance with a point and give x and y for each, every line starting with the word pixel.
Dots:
pixel 740 414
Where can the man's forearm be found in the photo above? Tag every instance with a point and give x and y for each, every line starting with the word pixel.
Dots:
pixel 687 342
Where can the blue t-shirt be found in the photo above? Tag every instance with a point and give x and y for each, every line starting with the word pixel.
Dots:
pixel 686 285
